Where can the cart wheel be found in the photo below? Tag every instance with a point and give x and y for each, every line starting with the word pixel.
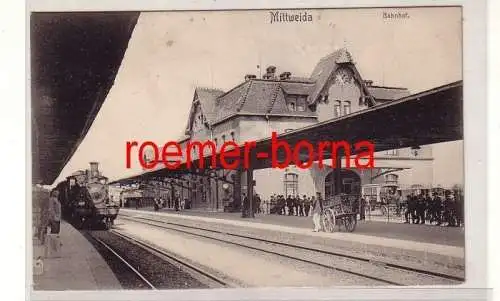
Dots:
pixel 383 210
pixel 350 223
pixel 328 221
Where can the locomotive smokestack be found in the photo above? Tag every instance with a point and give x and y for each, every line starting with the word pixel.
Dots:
pixel 94 169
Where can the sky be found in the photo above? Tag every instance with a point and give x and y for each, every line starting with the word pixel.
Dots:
pixel 172 53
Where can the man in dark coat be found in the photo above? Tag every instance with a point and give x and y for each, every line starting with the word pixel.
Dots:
pixel 362 208
pixel 246 206
pixel 289 204
pixel 409 209
pixel 420 208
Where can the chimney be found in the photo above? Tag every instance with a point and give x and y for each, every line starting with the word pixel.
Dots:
pixel 270 73
pixel 285 75
pixel 250 76
pixel 94 169
pixel 368 83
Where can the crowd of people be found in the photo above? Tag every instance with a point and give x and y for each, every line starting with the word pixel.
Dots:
pixel 422 209
pixel 291 205
pixel 416 208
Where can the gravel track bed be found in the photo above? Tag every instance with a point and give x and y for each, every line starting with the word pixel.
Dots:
pixel 352 249
pixel 330 277
pixel 386 273
pixel 162 274
pixel 127 278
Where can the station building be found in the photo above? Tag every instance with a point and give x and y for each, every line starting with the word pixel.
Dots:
pixel 280 103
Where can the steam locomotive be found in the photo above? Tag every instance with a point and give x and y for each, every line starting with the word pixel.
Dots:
pixel 85 199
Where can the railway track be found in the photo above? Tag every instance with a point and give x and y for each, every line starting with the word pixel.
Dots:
pixel 115 256
pixel 384 272
pixel 151 267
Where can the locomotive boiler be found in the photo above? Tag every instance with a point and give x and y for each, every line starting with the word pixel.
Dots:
pixel 84 198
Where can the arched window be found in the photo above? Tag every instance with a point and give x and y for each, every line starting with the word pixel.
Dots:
pixel 336 109
pixel 291 184
pixel 347 107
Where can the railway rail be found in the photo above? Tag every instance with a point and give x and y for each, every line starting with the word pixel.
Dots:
pixel 148 276
pixel 384 272
pixel 123 261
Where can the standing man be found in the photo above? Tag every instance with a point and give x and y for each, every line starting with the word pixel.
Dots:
pixel 54 212
pixel 437 208
pixel 177 202
pixel 246 206
pixel 409 208
pixel 355 207
pixel 362 207
pixel 306 204
pixel 317 210
pixel 421 209
pixel 43 199
pixel 289 204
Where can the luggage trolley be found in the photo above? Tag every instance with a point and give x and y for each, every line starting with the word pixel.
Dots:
pixel 339 211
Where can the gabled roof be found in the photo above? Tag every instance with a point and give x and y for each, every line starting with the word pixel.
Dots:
pixel 206 98
pixel 268 96
pixel 261 97
pixel 325 69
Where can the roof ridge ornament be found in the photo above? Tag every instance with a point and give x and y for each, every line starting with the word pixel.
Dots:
pixel 343 56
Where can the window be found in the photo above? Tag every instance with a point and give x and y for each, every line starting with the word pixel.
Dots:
pixel 336 109
pixel 223 138
pixel 215 141
pixel 232 136
pixel 301 104
pixel 392 152
pixel 291 184
pixel 291 106
pixel 347 107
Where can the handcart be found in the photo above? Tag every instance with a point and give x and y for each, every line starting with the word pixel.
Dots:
pixel 340 211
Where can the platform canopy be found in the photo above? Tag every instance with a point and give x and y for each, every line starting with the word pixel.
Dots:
pixel 74 60
pixel 429 117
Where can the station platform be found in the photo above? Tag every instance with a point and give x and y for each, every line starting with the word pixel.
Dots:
pixel 78 267
pixel 430 243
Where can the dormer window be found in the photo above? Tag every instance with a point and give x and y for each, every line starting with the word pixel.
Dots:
pixel 336 109
pixel 291 106
pixel 301 104
pixel 347 107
